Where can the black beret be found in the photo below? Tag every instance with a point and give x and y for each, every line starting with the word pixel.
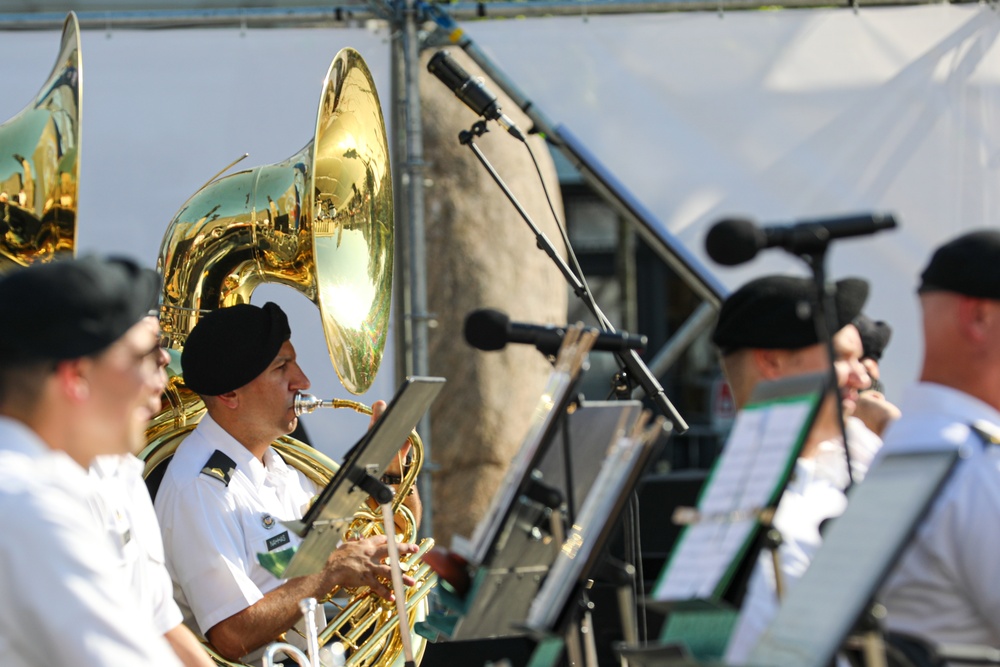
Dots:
pixel 969 265
pixel 231 346
pixel 874 336
pixel 776 313
pixel 72 308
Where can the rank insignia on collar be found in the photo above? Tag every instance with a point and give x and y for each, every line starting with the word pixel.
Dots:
pixel 220 467
pixel 268 521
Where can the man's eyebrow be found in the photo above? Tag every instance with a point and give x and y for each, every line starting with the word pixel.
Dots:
pixel 282 358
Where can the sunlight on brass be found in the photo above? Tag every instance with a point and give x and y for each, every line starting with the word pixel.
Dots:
pixel 40 165
pixel 320 222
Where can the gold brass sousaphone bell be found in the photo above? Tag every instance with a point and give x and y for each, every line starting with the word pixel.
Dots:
pixel 39 165
pixel 321 222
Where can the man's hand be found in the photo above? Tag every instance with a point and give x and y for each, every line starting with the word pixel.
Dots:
pixel 395 466
pixel 360 563
pixel 875 411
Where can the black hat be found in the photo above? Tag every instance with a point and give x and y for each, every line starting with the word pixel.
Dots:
pixel 969 265
pixel 231 346
pixel 874 336
pixel 776 313
pixel 72 308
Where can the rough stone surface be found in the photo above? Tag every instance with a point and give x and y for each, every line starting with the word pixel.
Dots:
pixel 482 254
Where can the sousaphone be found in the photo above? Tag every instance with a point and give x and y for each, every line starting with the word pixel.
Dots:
pixel 39 165
pixel 320 222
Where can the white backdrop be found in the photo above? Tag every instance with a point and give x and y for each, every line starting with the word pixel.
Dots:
pixel 781 115
pixel 774 115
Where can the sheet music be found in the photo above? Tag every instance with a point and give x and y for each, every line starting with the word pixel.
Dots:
pixel 747 478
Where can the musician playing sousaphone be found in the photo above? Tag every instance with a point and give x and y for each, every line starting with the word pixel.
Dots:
pixel 226 492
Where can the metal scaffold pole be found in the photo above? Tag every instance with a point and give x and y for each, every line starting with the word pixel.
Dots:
pixel 408 131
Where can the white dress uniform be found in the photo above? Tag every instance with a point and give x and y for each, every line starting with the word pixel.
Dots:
pixel 218 507
pixel 815 493
pixel 946 586
pixel 127 511
pixel 62 598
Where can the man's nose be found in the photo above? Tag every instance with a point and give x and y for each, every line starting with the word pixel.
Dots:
pixel 299 381
pixel 860 373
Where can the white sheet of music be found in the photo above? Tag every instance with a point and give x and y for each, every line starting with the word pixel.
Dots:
pixel 747 477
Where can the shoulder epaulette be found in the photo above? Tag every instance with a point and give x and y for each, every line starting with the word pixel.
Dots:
pixel 220 467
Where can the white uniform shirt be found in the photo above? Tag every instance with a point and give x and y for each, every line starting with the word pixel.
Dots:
pixel 62 599
pixel 213 531
pixel 946 586
pixel 813 495
pixel 127 512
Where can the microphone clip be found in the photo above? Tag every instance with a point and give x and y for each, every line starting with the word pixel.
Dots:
pixel 478 129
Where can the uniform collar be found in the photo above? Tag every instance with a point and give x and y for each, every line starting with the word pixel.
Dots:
pixel 112 465
pixel 246 462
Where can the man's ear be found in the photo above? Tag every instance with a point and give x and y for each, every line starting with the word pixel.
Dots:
pixel 230 399
pixel 71 376
pixel 769 363
pixel 977 319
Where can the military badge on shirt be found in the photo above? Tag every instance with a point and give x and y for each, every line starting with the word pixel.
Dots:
pixel 268 521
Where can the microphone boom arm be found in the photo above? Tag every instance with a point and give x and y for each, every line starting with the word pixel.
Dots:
pixel 634 366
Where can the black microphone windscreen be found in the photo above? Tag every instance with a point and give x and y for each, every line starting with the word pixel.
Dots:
pixel 734 241
pixel 444 67
pixel 486 329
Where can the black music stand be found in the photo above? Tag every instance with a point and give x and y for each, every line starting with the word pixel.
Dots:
pixel 857 553
pixel 322 526
pixel 528 542
pixel 724 530
pixel 626 459
pixel 746 481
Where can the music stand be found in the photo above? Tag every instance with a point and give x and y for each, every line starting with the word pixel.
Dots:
pixel 528 542
pixel 620 472
pixel 857 553
pixel 322 526
pixel 746 483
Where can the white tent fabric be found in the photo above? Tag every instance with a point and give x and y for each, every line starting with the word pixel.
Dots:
pixel 775 115
pixel 163 111
pixel 785 115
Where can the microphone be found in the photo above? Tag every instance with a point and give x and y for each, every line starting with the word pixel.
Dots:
pixel 488 329
pixel 735 240
pixel 471 91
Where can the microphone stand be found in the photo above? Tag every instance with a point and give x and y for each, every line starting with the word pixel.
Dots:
pixel 635 369
pixel 825 321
